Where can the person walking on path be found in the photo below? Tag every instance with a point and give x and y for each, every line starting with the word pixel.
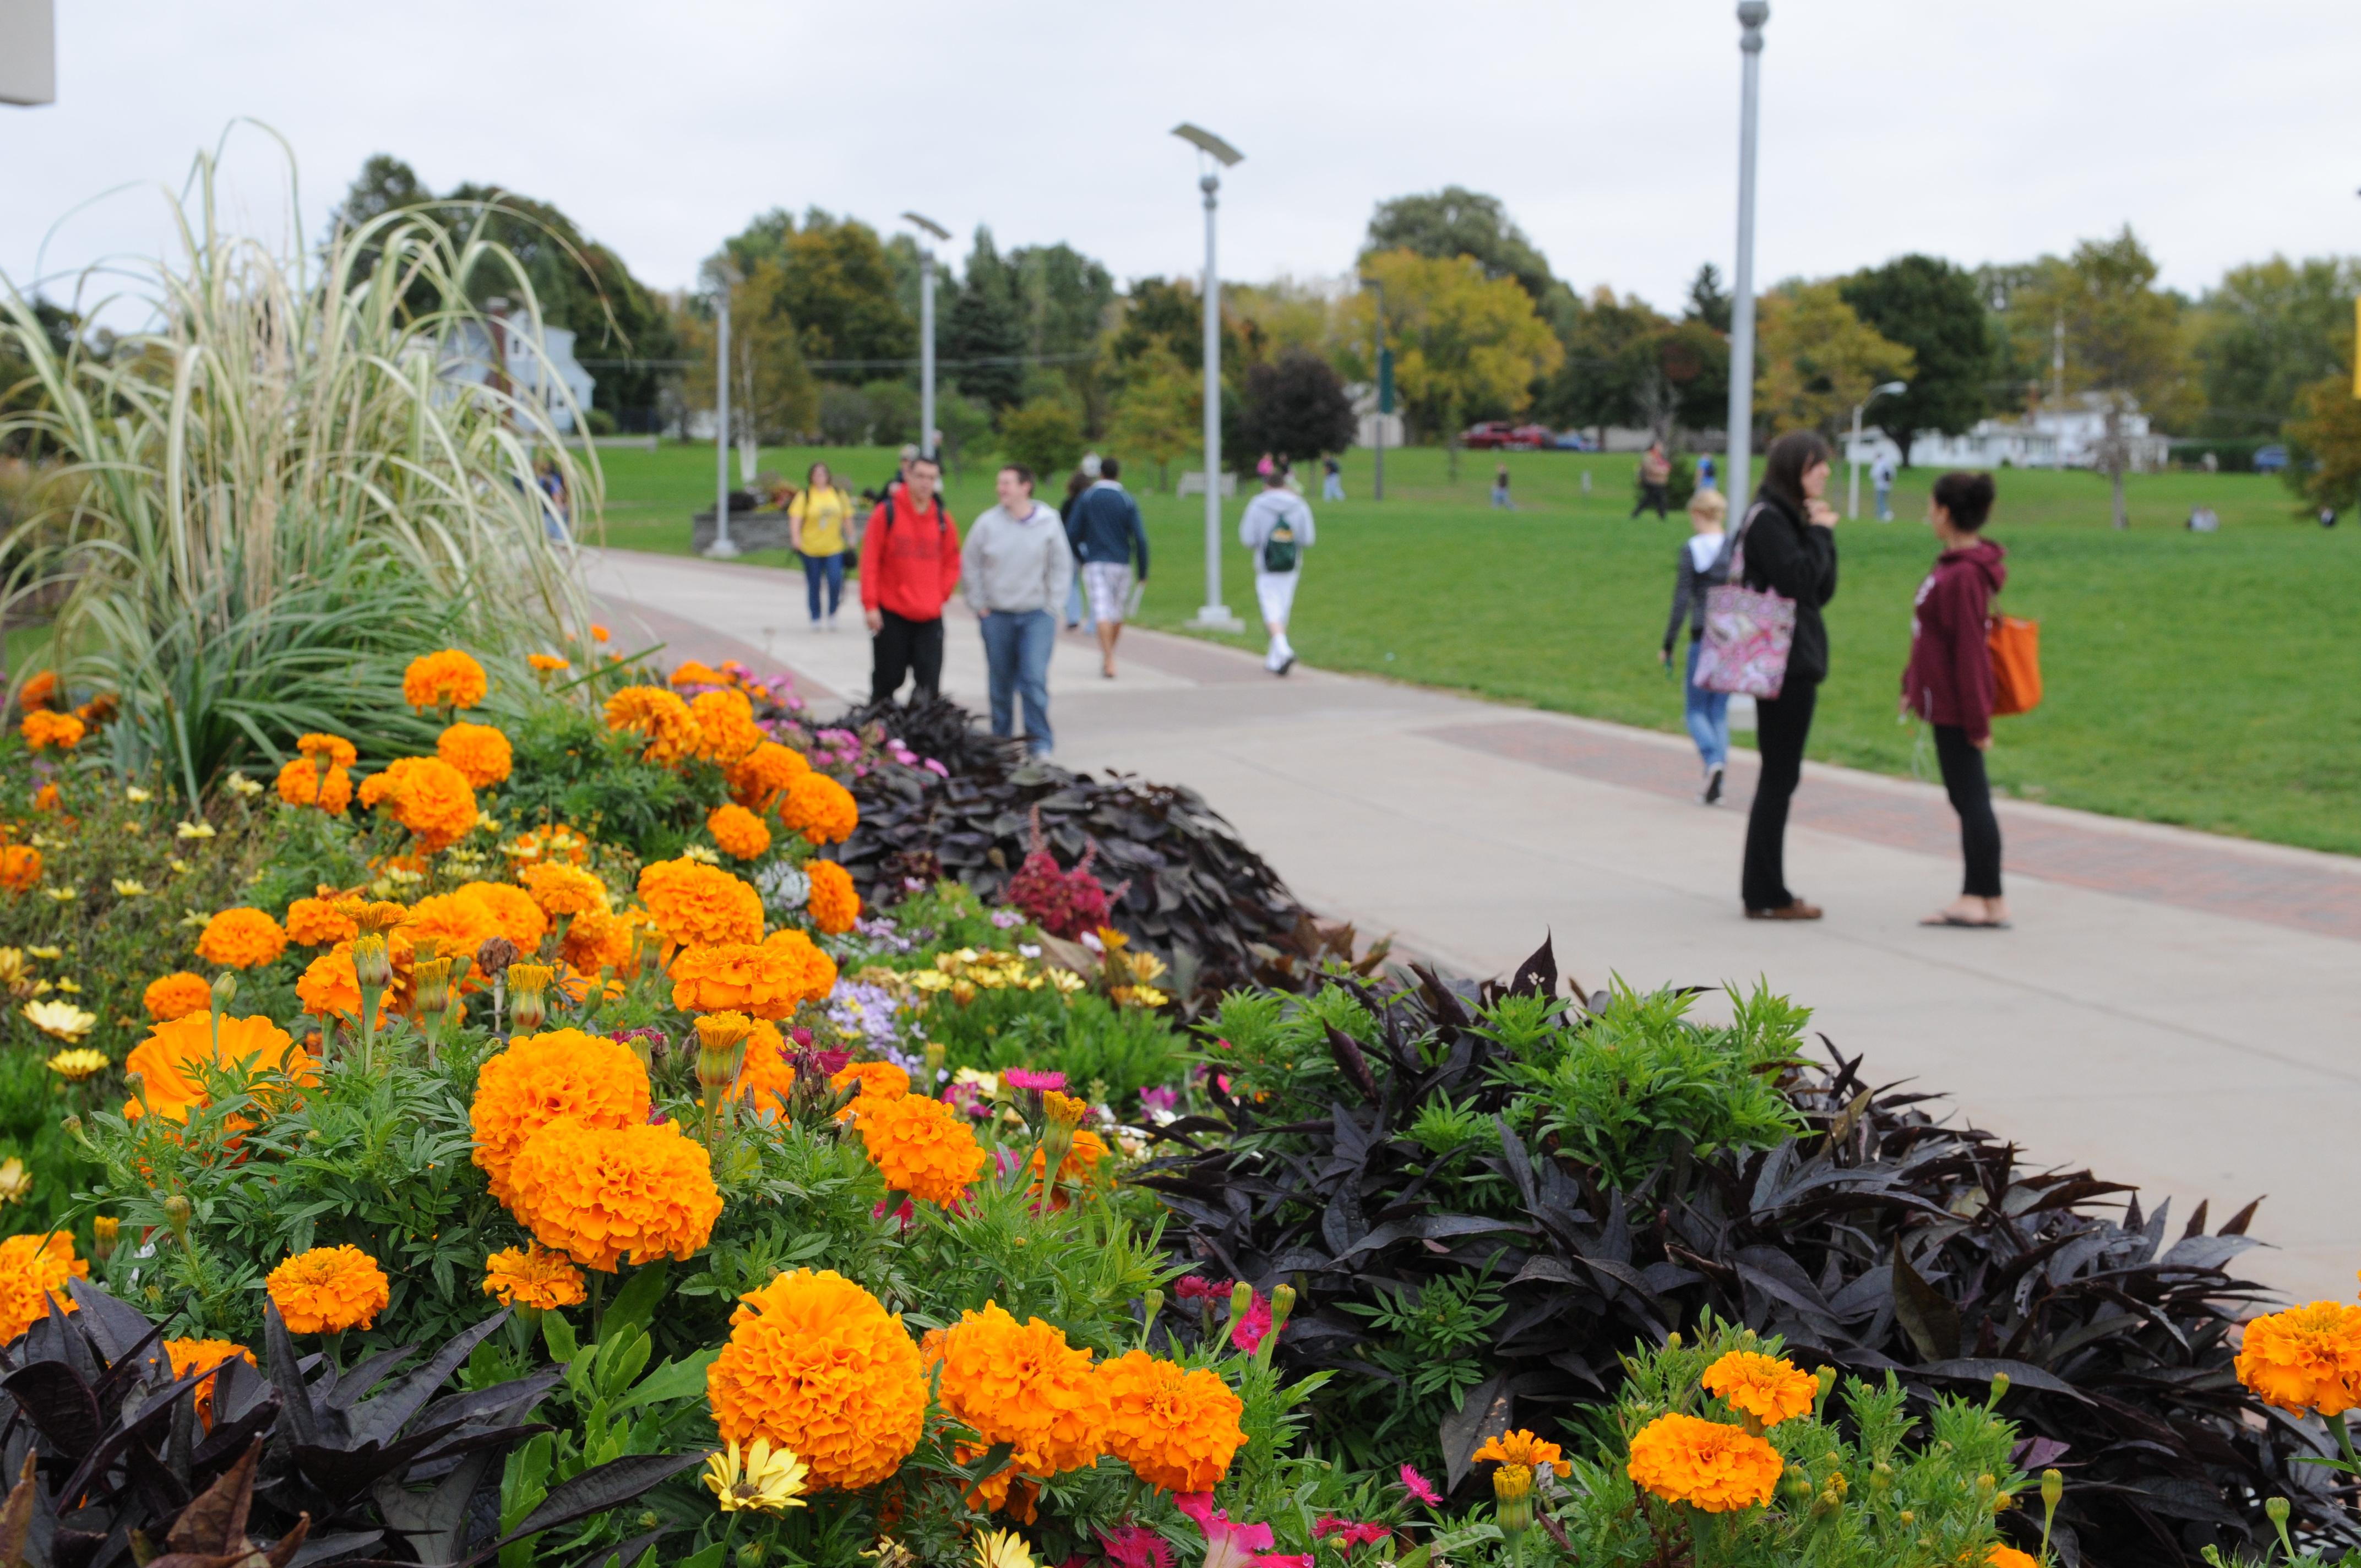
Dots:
pixel 1655 473
pixel 1014 570
pixel 1331 482
pixel 1500 499
pixel 1948 684
pixel 1881 474
pixel 817 520
pixel 1085 475
pixel 1107 536
pixel 1276 526
pixel 1788 541
pixel 909 565
pixel 1703 562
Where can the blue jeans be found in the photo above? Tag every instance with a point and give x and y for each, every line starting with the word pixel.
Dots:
pixel 1017 646
pixel 1707 714
pixel 828 569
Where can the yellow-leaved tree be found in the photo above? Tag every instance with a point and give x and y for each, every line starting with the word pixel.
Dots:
pixel 1817 358
pixel 1466 346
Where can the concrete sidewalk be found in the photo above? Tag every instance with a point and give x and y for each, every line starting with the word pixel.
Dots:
pixel 2172 1009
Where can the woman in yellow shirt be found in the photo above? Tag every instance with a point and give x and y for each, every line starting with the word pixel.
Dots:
pixel 818 522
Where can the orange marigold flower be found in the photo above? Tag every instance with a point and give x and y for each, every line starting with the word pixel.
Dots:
pixel 429 796
pixel 2306 1358
pixel 558 843
pixel 815 1364
pixel 328 1290
pixel 539 1078
pixel 819 808
pixel 562 888
pixel 479 751
pixel 766 1080
pixel 921 1146
pixel 521 921
pixel 1080 1164
pixel 833 904
pixel 43 729
pixel 657 714
pixel 301 782
pixel 1177 1428
pixel 738 831
pixel 40 690
pixel 320 922
pixel 189 1356
pixel 100 710
pixel 33 1273
pixel 449 678
pixel 174 1058
pixel 599 633
pixel 1707 1464
pixel 1024 1386
pixel 242 938
pixel 455 923
pixel 1999 1556
pixel 596 940
pixel 47 797
pixel 753 978
pixel 177 995
pixel 763 772
pixel 726 729
pixel 533 1277
pixel 1521 1447
pixel 602 1195
pixel 1768 1389
pixel 328 988
pixel 20 867
pixel 817 969
pixel 548 663
pixel 692 674
pixel 871 1080
pixel 695 905
pixel 339 752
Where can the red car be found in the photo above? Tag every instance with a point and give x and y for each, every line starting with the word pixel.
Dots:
pixel 1500 435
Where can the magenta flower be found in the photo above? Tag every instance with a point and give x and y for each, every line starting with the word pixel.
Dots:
pixel 1354 1532
pixel 1195 1288
pixel 1247 1332
pixel 1027 1078
pixel 1229 1544
pixel 1135 1546
pixel 1418 1486
pixel 1161 1098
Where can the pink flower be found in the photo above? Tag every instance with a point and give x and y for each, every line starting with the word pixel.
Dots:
pixel 1196 1288
pixel 1229 1544
pixel 1026 1077
pixel 1284 1560
pixel 1247 1332
pixel 936 768
pixel 1354 1533
pixel 1418 1486
pixel 1135 1546
pixel 904 1213
pixel 1159 1098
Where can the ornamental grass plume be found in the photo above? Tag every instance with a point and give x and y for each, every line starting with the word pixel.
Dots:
pixel 1176 1428
pixel 597 1081
pixel 42 729
pixel 534 1278
pixel 660 716
pixel 755 778
pixel 176 995
pixel 33 1273
pixel 20 868
pixel 301 782
pixel 1764 1389
pixel 479 751
pixel 815 1361
pixel 560 889
pixel 833 903
pixel 427 795
pixel 192 1356
pixel 174 1059
pixel 738 832
pixel 1708 1464
pixel 819 808
pixel 725 730
pixel 921 1146
pixel 2305 1359
pixel 242 938
pixel 1023 1385
pixel 445 679
pixel 328 1290
pixel 700 906
pixel 607 1195
pixel 321 922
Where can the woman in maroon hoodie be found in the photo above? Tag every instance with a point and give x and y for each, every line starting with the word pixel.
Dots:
pixel 1948 682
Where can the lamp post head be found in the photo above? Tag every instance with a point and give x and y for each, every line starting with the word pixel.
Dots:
pixel 1206 142
pixel 928 224
pixel 1889 387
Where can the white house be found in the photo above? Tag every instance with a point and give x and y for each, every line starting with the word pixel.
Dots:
pixel 535 368
pixel 2054 435
pixel 1368 424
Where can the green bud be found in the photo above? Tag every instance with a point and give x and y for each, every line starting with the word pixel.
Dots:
pixel 2275 1509
pixel 176 1214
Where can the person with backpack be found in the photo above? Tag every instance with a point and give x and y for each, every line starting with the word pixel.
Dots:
pixel 1276 526
pixel 1703 563
pixel 1102 525
pixel 1787 545
pixel 818 524
pixel 909 566
pixel 1948 684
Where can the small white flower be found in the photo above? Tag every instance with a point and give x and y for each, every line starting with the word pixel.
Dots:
pixel 239 784
pixel 138 796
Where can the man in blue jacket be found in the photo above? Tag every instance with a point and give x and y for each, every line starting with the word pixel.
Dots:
pixel 1104 527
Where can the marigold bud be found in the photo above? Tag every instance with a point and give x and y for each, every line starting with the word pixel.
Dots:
pixel 527 1008
pixel 1282 1302
pixel 176 1214
pixel 376 919
pixel 224 989
pixel 495 956
pixel 2275 1509
pixel 1241 1301
pixel 432 979
pixel 372 965
pixel 1151 1304
pixel 721 1050
pixel 2053 1487
pixel 105 1229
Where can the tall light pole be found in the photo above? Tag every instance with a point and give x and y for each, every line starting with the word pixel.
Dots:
pixel 927 330
pixel 722 277
pixel 1214 614
pixel 1752 15
pixel 1380 385
pixel 1852 453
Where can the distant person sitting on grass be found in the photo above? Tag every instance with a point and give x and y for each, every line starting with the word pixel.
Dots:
pixel 1278 528
pixel 1107 536
pixel 1500 498
pixel 1655 473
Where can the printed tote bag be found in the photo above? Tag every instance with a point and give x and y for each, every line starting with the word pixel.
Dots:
pixel 1747 633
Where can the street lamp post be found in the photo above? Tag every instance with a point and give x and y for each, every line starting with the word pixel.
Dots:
pixel 1752 15
pixel 1213 615
pixel 1377 393
pixel 1852 452
pixel 927 330
pixel 723 277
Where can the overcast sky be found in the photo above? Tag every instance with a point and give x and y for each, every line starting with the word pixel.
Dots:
pixel 1977 129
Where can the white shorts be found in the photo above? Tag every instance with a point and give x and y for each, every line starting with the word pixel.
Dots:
pixel 1108 584
pixel 1275 591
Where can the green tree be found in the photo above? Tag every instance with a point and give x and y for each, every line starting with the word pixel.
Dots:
pixel 1466 346
pixel 985 331
pixel 1608 344
pixel 1158 411
pixel 1819 358
pixel 1297 407
pixel 772 396
pixel 1935 310
pixel 1454 222
pixel 2323 438
pixel 840 287
pixel 1045 436
pixel 1709 302
pixel 2267 330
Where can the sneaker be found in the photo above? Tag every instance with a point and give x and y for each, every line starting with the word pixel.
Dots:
pixel 1713 787
pixel 1285 664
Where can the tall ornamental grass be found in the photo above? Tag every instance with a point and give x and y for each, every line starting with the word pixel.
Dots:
pixel 272 495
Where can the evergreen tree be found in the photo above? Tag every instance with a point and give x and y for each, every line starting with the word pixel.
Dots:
pixel 984 333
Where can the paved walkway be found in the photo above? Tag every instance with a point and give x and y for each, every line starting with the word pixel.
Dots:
pixel 2172 1009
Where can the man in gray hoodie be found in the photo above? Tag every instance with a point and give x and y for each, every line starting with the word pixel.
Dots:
pixel 1014 570
pixel 1278 528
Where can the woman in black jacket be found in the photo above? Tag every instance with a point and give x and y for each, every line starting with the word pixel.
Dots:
pixel 1790 545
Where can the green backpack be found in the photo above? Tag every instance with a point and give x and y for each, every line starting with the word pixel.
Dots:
pixel 1279 549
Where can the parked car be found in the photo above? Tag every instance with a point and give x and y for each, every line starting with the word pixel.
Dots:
pixel 1498 435
pixel 1575 441
pixel 2271 459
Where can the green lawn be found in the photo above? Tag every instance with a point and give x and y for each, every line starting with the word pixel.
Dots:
pixel 2208 680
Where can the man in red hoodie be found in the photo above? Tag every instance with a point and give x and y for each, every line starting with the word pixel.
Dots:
pixel 909 569
pixel 1948 682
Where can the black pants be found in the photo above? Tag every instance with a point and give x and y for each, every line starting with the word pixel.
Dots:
pixel 1781 724
pixel 901 647
pixel 1963 777
pixel 1651 495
